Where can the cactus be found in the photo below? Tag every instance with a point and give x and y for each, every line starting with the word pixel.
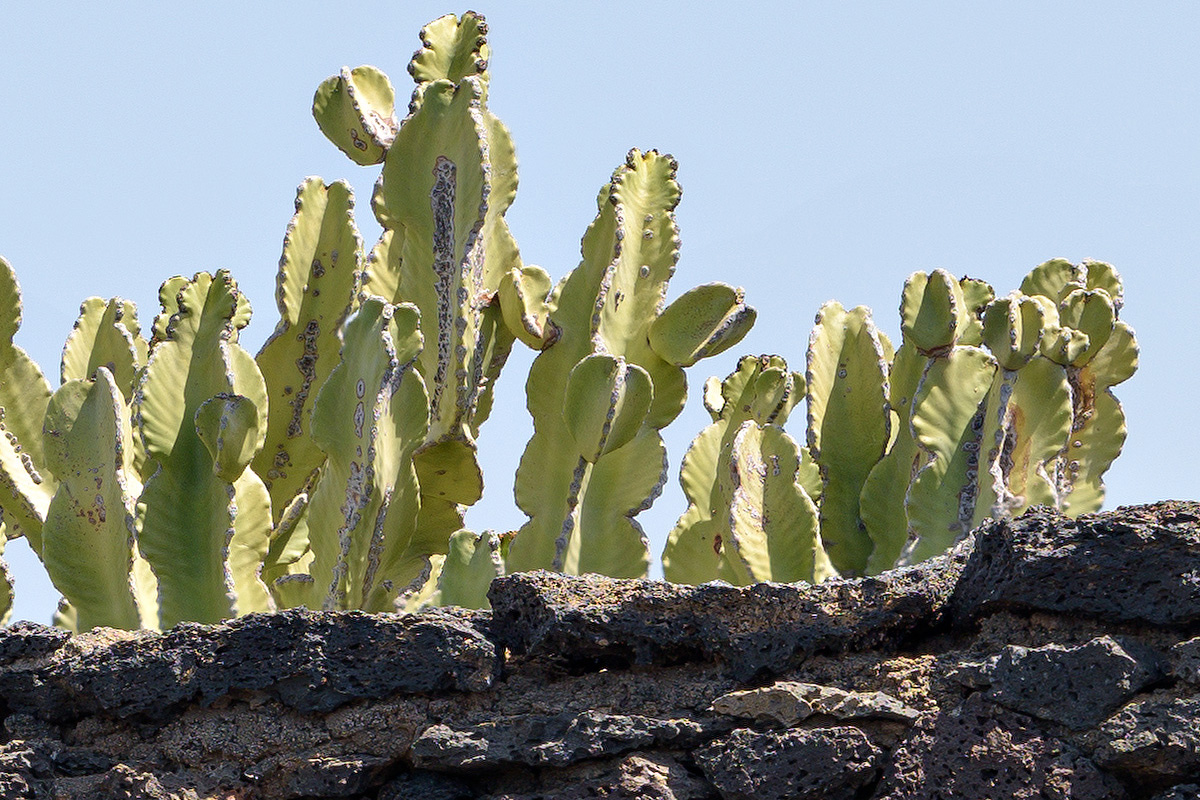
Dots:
pixel 582 497
pixel 462 576
pixel 26 486
pixel 6 585
pixel 848 423
pixel 937 314
pixel 1098 351
pixel 449 175
pixel 749 518
pixel 88 543
pixel 319 276
pixel 202 513
pixel 369 418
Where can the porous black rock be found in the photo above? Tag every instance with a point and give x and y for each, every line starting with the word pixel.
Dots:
pixel 553 740
pixel 978 750
pixel 310 661
pixel 1138 564
pixel 1155 740
pixel 1078 687
pixel 798 764
pixel 754 630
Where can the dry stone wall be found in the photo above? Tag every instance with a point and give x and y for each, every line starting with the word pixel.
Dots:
pixel 1042 658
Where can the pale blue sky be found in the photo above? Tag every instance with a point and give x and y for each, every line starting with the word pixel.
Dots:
pixel 826 150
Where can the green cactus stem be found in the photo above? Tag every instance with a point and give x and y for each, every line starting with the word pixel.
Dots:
pixel 462 576
pixel 320 273
pixel 937 313
pixel 6 585
pixel 193 532
pixel 749 518
pixel 356 109
pixel 848 423
pixel 26 486
pixel 88 541
pixel 881 502
pixel 449 175
pixel 947 421
pixel 106 334
pixel 369 418
pixel 1099 351
pixel 582 511
pixel 1098 426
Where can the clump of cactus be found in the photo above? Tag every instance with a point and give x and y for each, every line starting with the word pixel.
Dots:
pixel 988 407
pixel 178 478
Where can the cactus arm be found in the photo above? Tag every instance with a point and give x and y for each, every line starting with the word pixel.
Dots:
pixel 319 276
pixel 366 422
pixel 88 539
pixel 26 486
pixel 356 110
pixel 451 49
pixel 946 422
pixel 605 404
pixel 881 502
pixel 773 531
pixel 977 295
pixel 605 306
pixel 702 322
pixel 1100 275
pixel 464 574
pixel 6 585
pixel 1098 430
pixel 1038 423
pixel 609 541
pixel 524 302
pixel 436 185
pixel 105 334
pixel 933 311
pixel 1091 313
pixel 693 551
pixel 759 390
pixel 1054 279
pixel 187 510
pixel 230 428
pixel 848 424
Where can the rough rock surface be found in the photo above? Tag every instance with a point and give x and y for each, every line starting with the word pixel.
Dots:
pixel 1042 658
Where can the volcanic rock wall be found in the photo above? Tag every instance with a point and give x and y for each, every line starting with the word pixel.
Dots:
pixel 1042 658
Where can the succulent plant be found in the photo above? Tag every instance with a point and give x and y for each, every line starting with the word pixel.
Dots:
pixel 602 392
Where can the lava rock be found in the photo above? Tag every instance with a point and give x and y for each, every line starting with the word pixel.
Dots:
pixel 1184 791
pixel 552 741
pixel 977 751
pixel 310 661
pixel 1044 561
pixel 764 628
pixel 799 764
pixel 28 640
pixel 1074 686
pixel 1156 740
pixel 421 785
pixel 1184 661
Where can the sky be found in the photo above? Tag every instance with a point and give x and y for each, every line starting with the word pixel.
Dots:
pixel 827 150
